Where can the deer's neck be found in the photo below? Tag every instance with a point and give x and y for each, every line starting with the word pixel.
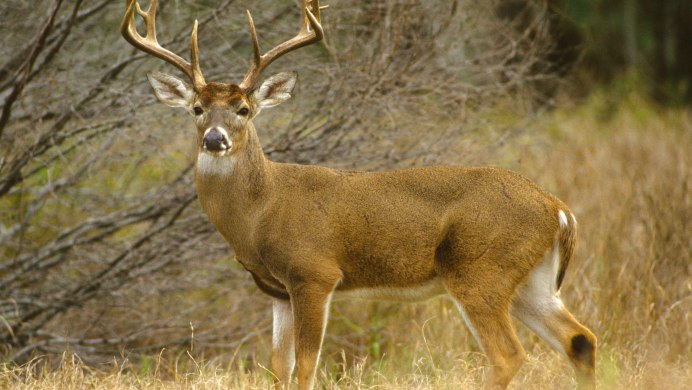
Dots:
pixel 233 188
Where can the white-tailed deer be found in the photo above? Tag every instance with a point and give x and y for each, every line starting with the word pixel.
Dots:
pixel 489 238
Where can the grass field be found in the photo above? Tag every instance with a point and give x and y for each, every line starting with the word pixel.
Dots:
pixel 623 166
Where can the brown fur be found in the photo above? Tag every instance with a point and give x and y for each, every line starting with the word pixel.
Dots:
pixel 486 236
pixel 222 93
pixel 314 230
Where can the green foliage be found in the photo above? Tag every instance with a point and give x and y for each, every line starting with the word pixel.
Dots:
pixel 647 38
pixel 146 365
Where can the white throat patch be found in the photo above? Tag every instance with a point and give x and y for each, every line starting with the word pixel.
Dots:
pixel 208 165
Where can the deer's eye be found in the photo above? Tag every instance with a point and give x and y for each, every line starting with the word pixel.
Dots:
pixel 198 110
pixel 243 111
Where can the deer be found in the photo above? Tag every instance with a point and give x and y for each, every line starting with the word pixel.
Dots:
pixel 490 239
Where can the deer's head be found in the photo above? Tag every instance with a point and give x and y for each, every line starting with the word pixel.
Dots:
pixel 223 112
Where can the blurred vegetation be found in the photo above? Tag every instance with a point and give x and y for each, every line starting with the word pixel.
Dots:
pixel 107 261
pixel 646 38
pixel 626 174
pixel 600 41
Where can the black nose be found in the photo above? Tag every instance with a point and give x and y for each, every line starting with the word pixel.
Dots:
pixel 214 141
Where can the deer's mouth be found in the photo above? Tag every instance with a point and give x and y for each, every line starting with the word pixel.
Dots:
pixel 219 153
pixel 217 150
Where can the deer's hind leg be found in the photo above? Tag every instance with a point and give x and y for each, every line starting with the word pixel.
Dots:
pixel 483 296
pixel 538 305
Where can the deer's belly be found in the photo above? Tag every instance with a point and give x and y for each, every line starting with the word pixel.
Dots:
pixel 413 293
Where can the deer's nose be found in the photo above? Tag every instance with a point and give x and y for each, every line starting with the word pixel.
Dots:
pixel 215 141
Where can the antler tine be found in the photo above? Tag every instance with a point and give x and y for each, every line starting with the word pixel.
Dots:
pixel 197 76
pixel 311 6
pixel 310 32
pixel 150 45
pixel 256 58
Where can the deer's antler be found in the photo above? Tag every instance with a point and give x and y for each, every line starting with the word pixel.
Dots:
pixel 150 45
pixel 310 32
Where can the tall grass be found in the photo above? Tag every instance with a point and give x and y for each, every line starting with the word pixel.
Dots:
pixel 623 166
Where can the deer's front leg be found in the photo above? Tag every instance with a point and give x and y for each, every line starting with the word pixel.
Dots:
pixel 283 351
pixel 310 310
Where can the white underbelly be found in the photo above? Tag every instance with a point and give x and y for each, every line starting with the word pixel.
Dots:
pixel 415 293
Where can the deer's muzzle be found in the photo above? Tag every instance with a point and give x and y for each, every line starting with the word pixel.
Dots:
pixel 215 140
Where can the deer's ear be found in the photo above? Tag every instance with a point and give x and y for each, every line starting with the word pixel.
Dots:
pixel 170 90
pixel 276 89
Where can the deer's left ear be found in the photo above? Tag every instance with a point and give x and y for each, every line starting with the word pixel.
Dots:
pixel 170 90
pixel 275 90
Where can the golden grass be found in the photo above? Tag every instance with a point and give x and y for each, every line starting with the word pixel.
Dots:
pixel 624 169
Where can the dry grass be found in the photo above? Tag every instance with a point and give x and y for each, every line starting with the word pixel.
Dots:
pixel 623 167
